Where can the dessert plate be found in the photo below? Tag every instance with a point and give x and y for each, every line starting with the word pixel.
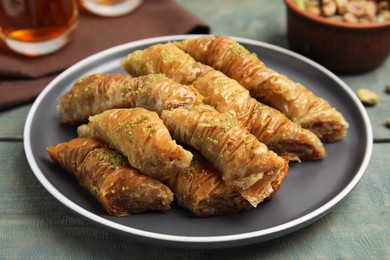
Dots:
pixel 310 190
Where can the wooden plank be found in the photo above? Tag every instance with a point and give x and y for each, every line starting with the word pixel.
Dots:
pixel 375 81
pixel 34 224
pixel 12 122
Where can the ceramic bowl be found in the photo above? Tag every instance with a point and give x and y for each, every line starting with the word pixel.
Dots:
pixel 339 46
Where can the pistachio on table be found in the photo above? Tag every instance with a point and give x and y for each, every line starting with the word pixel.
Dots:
pixel 388 88
pixel 367 97
pixel 352 11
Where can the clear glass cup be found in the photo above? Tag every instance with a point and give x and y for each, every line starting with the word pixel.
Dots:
pixel 109 8
pixel 37 27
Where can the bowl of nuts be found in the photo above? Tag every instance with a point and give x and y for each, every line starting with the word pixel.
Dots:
pixel 346 36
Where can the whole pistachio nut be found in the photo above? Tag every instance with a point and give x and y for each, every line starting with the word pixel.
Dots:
pixel 300 4
pixel 371 10
pixel 388 88
pixel 341 6
pixel 350 18
pixel 329 9
pixel 357 8
pixel 313 10
pixel 367 97
pixel 383 5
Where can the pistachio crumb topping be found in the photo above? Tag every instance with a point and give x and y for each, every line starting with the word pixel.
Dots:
pixel 235 47
pixel 212 140
pixel 155 77
pixel 138 120
pixel 130 137
pixel 111 159
pixel 190 171
pixel 135 60
pixel 94 190
pixel 254 55
pixel 139 165
pixel 135 56
pixel 151 129
pixel 167 57
pixel 138 91
pixel 235 92
pixel 226 123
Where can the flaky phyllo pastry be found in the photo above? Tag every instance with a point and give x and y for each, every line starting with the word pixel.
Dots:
pixel 157 93
pixel 244 163
pixel 269 125
pixel 96 93
pixel 201 190
pixel 142 137
pixel 207 94
pixel 268 86
pixel 106 174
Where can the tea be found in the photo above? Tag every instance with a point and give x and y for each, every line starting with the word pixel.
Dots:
pixel 36 27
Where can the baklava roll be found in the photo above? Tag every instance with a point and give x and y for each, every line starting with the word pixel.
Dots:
pixel 268 86
pixel 96 93
pixel 106 174
pixel 242 160
pixel 201 190
pixel 269 125
pixel 142 137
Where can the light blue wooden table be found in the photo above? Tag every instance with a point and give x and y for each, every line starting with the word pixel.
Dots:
pixel 34 225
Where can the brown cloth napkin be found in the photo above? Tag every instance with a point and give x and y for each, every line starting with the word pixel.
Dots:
pixel 22 79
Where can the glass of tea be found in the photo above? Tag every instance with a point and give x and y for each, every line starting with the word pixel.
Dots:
pixel 37 27
pixel 109 8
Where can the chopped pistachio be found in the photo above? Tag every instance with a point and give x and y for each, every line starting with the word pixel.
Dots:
pixel 138 91
pixel 235 93
pixel 235 47
pixel 168 57
pixel 139 67
pixel 111 159
pixel 94 190
pixel 138 120
pixel 139 165
pixel 190 172
pixel 135 56
pixel 156 76
pixel 254 55
pixel 150 129
pixel 225 123
pixel 211 140
pixel 130 137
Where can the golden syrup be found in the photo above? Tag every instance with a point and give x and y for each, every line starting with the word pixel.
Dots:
pixel 27 23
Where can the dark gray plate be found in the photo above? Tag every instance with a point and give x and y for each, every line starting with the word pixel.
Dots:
pixel 310 190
